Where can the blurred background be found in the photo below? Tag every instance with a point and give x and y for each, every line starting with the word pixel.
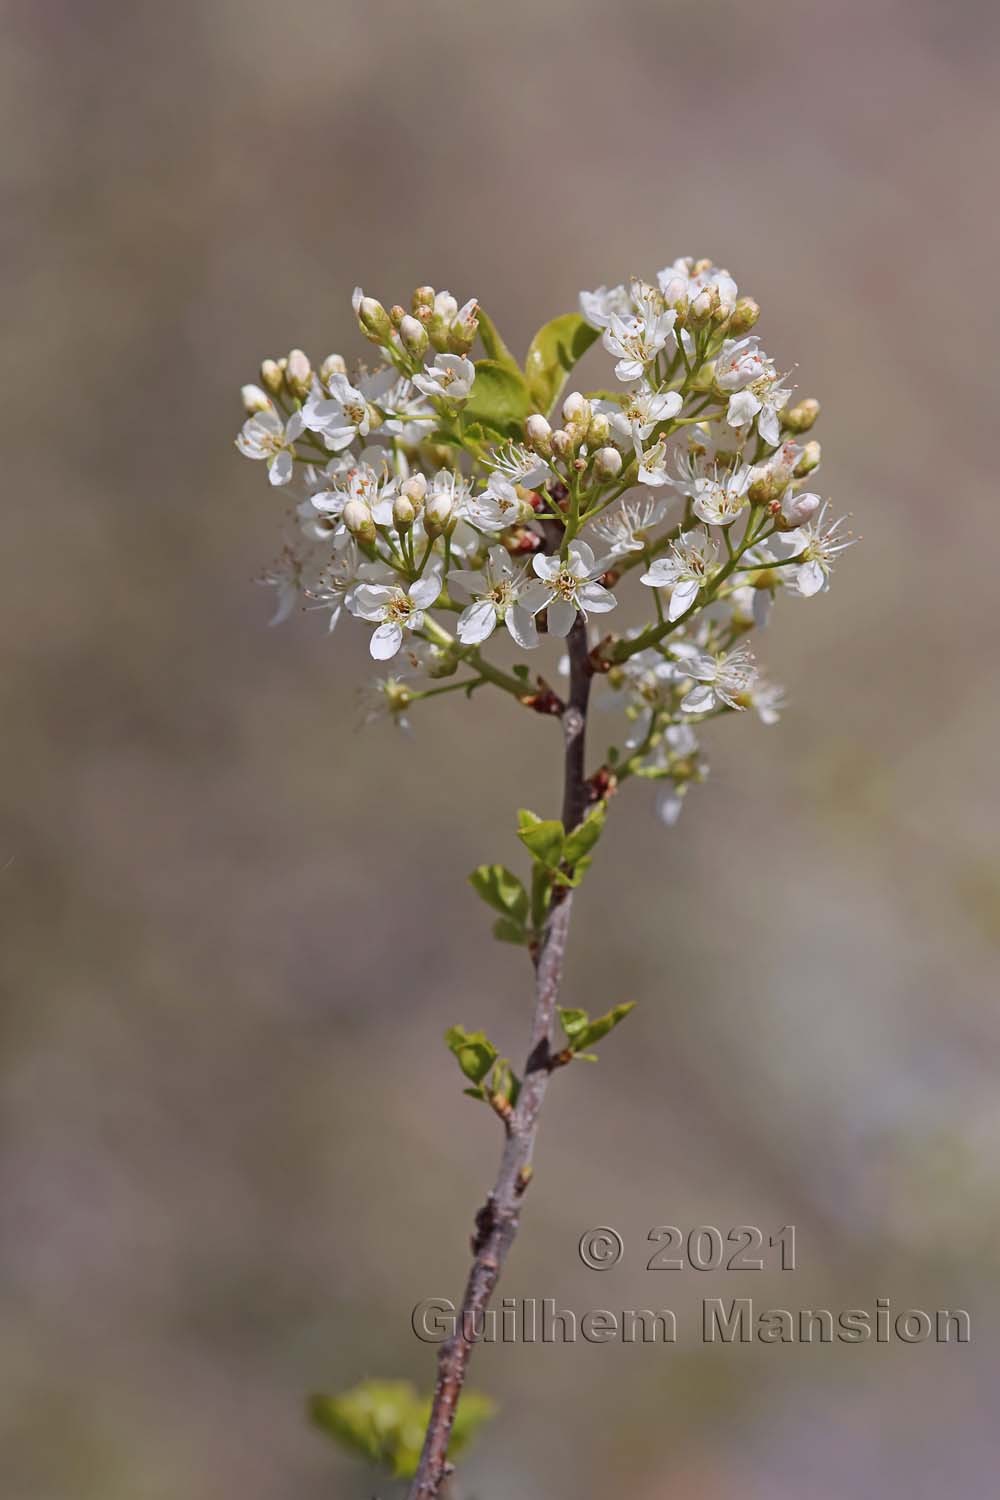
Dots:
pixel 233 1148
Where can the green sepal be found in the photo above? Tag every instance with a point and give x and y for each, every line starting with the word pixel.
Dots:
pixel 585 835
pixel 555 349
pixel 494 345
pixel 544 838
pixel 500 399
pixel 473 1050
pixel 583 1032
pixel 501 889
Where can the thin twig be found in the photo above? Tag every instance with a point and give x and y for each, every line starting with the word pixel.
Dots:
pixel 498 1220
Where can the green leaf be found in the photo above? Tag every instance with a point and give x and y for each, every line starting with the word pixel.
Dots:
pixel 473 1050
pixel 582 1032
pixel 541 894
pixel 506 930
pixel 505 1082
pixel 494 345
pixel 554 351
pixel 501 889
pixel 500 399
pixel 585 834
pixel 543 837
pixel 384 1422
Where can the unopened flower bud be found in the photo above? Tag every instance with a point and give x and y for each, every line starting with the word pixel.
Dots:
pixel 745 314
pixel 802 416
pixel 811 455
pixel 414 488
pixel 562 443
pixel 298 373
pixel 254 399
pixel 438 513
pixel 423 300
pixel 403 512
pixel 703 307
pixel 797 509
pixel 576 408
pixel 538 434
pixel 607 462
pixel 271 376
pixel 334 364
pixel 464 328
pixel 599 430
pixel 359 520
pixel 396 314
pixel 413 335
pixel 374 320
pixel 446 306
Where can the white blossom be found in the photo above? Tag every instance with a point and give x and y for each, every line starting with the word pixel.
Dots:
pixel 515 462
pixel 394 609
pixel 598 307
pixel 339 418
pixel 495 591
pixel 337 579
pixel 497 506
pixel 723 680
pixel 680 282
pixel 687 567
pixel 451 376
pixel 566 585
pixel 627 528
pixel 719 498
pixel 265 436
pixel 637 339
pixel 817 545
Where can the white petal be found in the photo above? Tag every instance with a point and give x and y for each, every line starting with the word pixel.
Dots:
pixel 534 596
pixel 561 616
pixel 659 574
pixel 522 627
pixel 386 642
pixel 546 567
pixel 698 700
pixel 682 598
pixel 426 590
pixel 595 597
pixel 279 471
pixel 581 559
pixel 466 580
pixel 809 579
pixel 477 623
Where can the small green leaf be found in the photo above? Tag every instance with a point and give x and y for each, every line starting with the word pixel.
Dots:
pixel 494 345
pixel 585 834
pixel 504 1082
pixel 543 837
pixel 384 1421
pixel 473 1050
pixel 500 399
pixel 555 349
pixel 541 894
pixel 506 930
pixel 501 889
pixel 582 1032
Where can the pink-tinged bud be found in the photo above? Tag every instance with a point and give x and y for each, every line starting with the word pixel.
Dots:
pixel 423 300
pixel 562 443
pixel 271 376
pixel 802 416
pixel 374 320
pixel 413 336
pixel 359 520
pixel 607 463
pixel 703 307
pixel 796 510
pixel 538 434
pixel 745 314
pixel 396 314
pixel 576 408
pixel 298 373
pixel 255 400
pixel 811 455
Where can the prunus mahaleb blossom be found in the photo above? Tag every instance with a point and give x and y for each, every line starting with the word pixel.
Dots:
pixel 461 504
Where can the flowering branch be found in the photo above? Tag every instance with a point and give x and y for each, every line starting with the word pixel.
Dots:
pixel 438 486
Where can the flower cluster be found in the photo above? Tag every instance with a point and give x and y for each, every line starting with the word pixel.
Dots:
pixel 450 503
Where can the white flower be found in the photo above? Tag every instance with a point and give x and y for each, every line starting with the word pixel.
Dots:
pixel 653 465
pixel 497 506
pixel 638 339
pixel 264 436
pixel 627 528
pixel 740 362
pixel 682 283
pixel 517 463
pixel 387 697
pixel 451 376
pixel 816 546
pixel 394 609
pixel 361 482
pixel 286 577
pixel 767 699
pixel 339 418
pixel 723 680
pixel 599 306
pixel 685 570
pixel 718 500
pixel 567 585
pixel 337 579
pixel 495 592
pixel 406 412
pixel 746 373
